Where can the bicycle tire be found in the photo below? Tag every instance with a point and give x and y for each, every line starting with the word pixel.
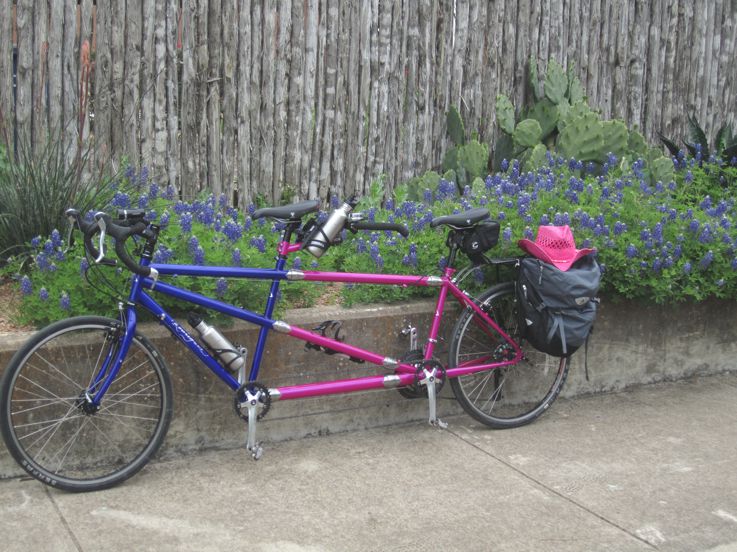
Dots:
pixel 45 425
pixel 503 397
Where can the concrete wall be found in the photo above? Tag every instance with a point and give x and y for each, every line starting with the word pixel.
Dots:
pixel 632 344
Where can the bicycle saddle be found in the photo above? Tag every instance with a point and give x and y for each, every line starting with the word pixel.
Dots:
pixel 294 211
pixel 461 220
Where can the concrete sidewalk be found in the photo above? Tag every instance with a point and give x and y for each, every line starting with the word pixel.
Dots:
pixel 654 468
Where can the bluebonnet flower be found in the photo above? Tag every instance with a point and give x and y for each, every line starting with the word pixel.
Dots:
pixel 631 251
pixel 235 257
pixel 504 165
pixel 389 205
pixel 694 226
pixel 169 193
pixel 193 244
pixel 223 201
pixel 56 240
pixel 163 254
pixel 26 287
pixel 36 242
pixel 334 201
pixel 427 196
pixel 706 260
pixel 297 263
pixel 42 262
pixel 143 177
pixel 153 191
pixel 528 233
pixel 64 301
pixel 48 247
pixel 619 228
pixel 221 287
pixel 507 234
pixel 143 202
pixel 121 200
pixel 199 256
pixel 206 214
pixel 314 264
pixel 733 264
pixel 247 224
pixel 259 243
pixel 688 178
pixel 233 231
pixel 185 222
pixel 43 294
pixel 84 266
pixel 164 222
pixel 130 173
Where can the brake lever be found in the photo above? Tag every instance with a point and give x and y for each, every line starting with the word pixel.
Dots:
pixel 103 230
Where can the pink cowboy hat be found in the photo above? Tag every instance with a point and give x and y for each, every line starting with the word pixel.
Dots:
pixel 555 245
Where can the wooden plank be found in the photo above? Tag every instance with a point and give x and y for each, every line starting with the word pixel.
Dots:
pixel 362 175
pixel 158 75
pixel 256 180
pixel 282 36
pixel 214 127
pixel 202 65
pixel 391 107
pixel 24 71
pixel 40 116
pixel 426 23
pixel 147 94
pixel 102 108
pixel 54 79
pixel 173 53
pixel 342 107
pixel 245 150
pixel 670 18
pixel 117 56
pixel 318 105
pixel 621 90
pixel 292 176
pixel 266 126
pixel 230 96
pixel 7 109
pixel 635 61
pixel 188 102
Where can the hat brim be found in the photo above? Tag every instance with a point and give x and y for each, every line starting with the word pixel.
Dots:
pixel 563 260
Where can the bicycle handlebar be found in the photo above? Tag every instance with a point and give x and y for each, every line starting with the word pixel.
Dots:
pixel 133 224
pixel 393 227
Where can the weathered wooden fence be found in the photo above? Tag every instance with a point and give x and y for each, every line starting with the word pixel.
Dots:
pixel 254 97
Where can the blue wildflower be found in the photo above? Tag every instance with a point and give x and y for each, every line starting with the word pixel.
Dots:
pixel 43 294
pixel 199 256
pixel 185 222
pixel 64 301
pixel 26 287
pixel 221 287
pixel 706 260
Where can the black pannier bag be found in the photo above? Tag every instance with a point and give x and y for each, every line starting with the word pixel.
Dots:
pixel 556 309
pixel 478 241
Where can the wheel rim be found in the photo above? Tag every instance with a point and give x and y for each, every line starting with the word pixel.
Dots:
pixel 50 425
pixel 513 394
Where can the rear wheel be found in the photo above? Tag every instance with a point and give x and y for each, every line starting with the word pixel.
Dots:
pixel 51 428
pixel 504 397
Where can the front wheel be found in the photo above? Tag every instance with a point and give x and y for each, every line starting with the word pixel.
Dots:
pixel 51 428
pixel 503 397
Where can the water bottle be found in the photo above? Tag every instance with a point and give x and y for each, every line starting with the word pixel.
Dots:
pixel 227 354
pixel 321 238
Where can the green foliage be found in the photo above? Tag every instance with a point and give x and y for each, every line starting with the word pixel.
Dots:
pixel 456 128
pixel 38 186
pixel 505 114
pixel 468 159
pixel 527 133
pixel 697 144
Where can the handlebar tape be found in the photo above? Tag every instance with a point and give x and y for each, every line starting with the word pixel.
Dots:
pixel 401 228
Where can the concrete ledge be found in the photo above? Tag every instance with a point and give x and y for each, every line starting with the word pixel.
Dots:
pixel 632 344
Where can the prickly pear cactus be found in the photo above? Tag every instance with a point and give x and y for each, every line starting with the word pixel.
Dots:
pixel 636 143
pixel 474 158
pixel 527 133
pixel 536 157
pixel 575 111
pixel 505 114
pixel 544 112
pixel 534 80
pixel 661 170
pixel 616 138
pixel 456 129
pixel 582 138
pixel 556 82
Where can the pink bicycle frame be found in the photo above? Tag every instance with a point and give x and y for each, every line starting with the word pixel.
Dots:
pixel 403 374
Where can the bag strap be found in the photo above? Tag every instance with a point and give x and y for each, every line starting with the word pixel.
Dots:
pixel 560 328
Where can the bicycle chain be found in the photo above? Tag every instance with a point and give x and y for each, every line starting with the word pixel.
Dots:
pixel 253 388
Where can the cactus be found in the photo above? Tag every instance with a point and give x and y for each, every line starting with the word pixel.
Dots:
pixel 456 129
pixel 474 157
pixel 505 114
pixel 575 88
pixel 556 83
pixel 661 170
pixel 582 138
pixel 616 138
pixel 534 80
pixel 636 143
pixel 544 112
pixel 536 157
pixel 527 133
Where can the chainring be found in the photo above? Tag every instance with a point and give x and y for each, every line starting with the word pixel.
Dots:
pixel 256 389
pixel 416 390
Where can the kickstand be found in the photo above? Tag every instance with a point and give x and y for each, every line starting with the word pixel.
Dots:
pixel 430 381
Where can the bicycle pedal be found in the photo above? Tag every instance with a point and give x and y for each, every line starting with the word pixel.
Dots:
pixel 257 451
pixel 438 423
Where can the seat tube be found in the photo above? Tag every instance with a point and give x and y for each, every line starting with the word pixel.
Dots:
pixel 264 332
pixel 432 339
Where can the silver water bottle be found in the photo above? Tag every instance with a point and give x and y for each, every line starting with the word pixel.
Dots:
pixel 229 356
pixel 322 237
